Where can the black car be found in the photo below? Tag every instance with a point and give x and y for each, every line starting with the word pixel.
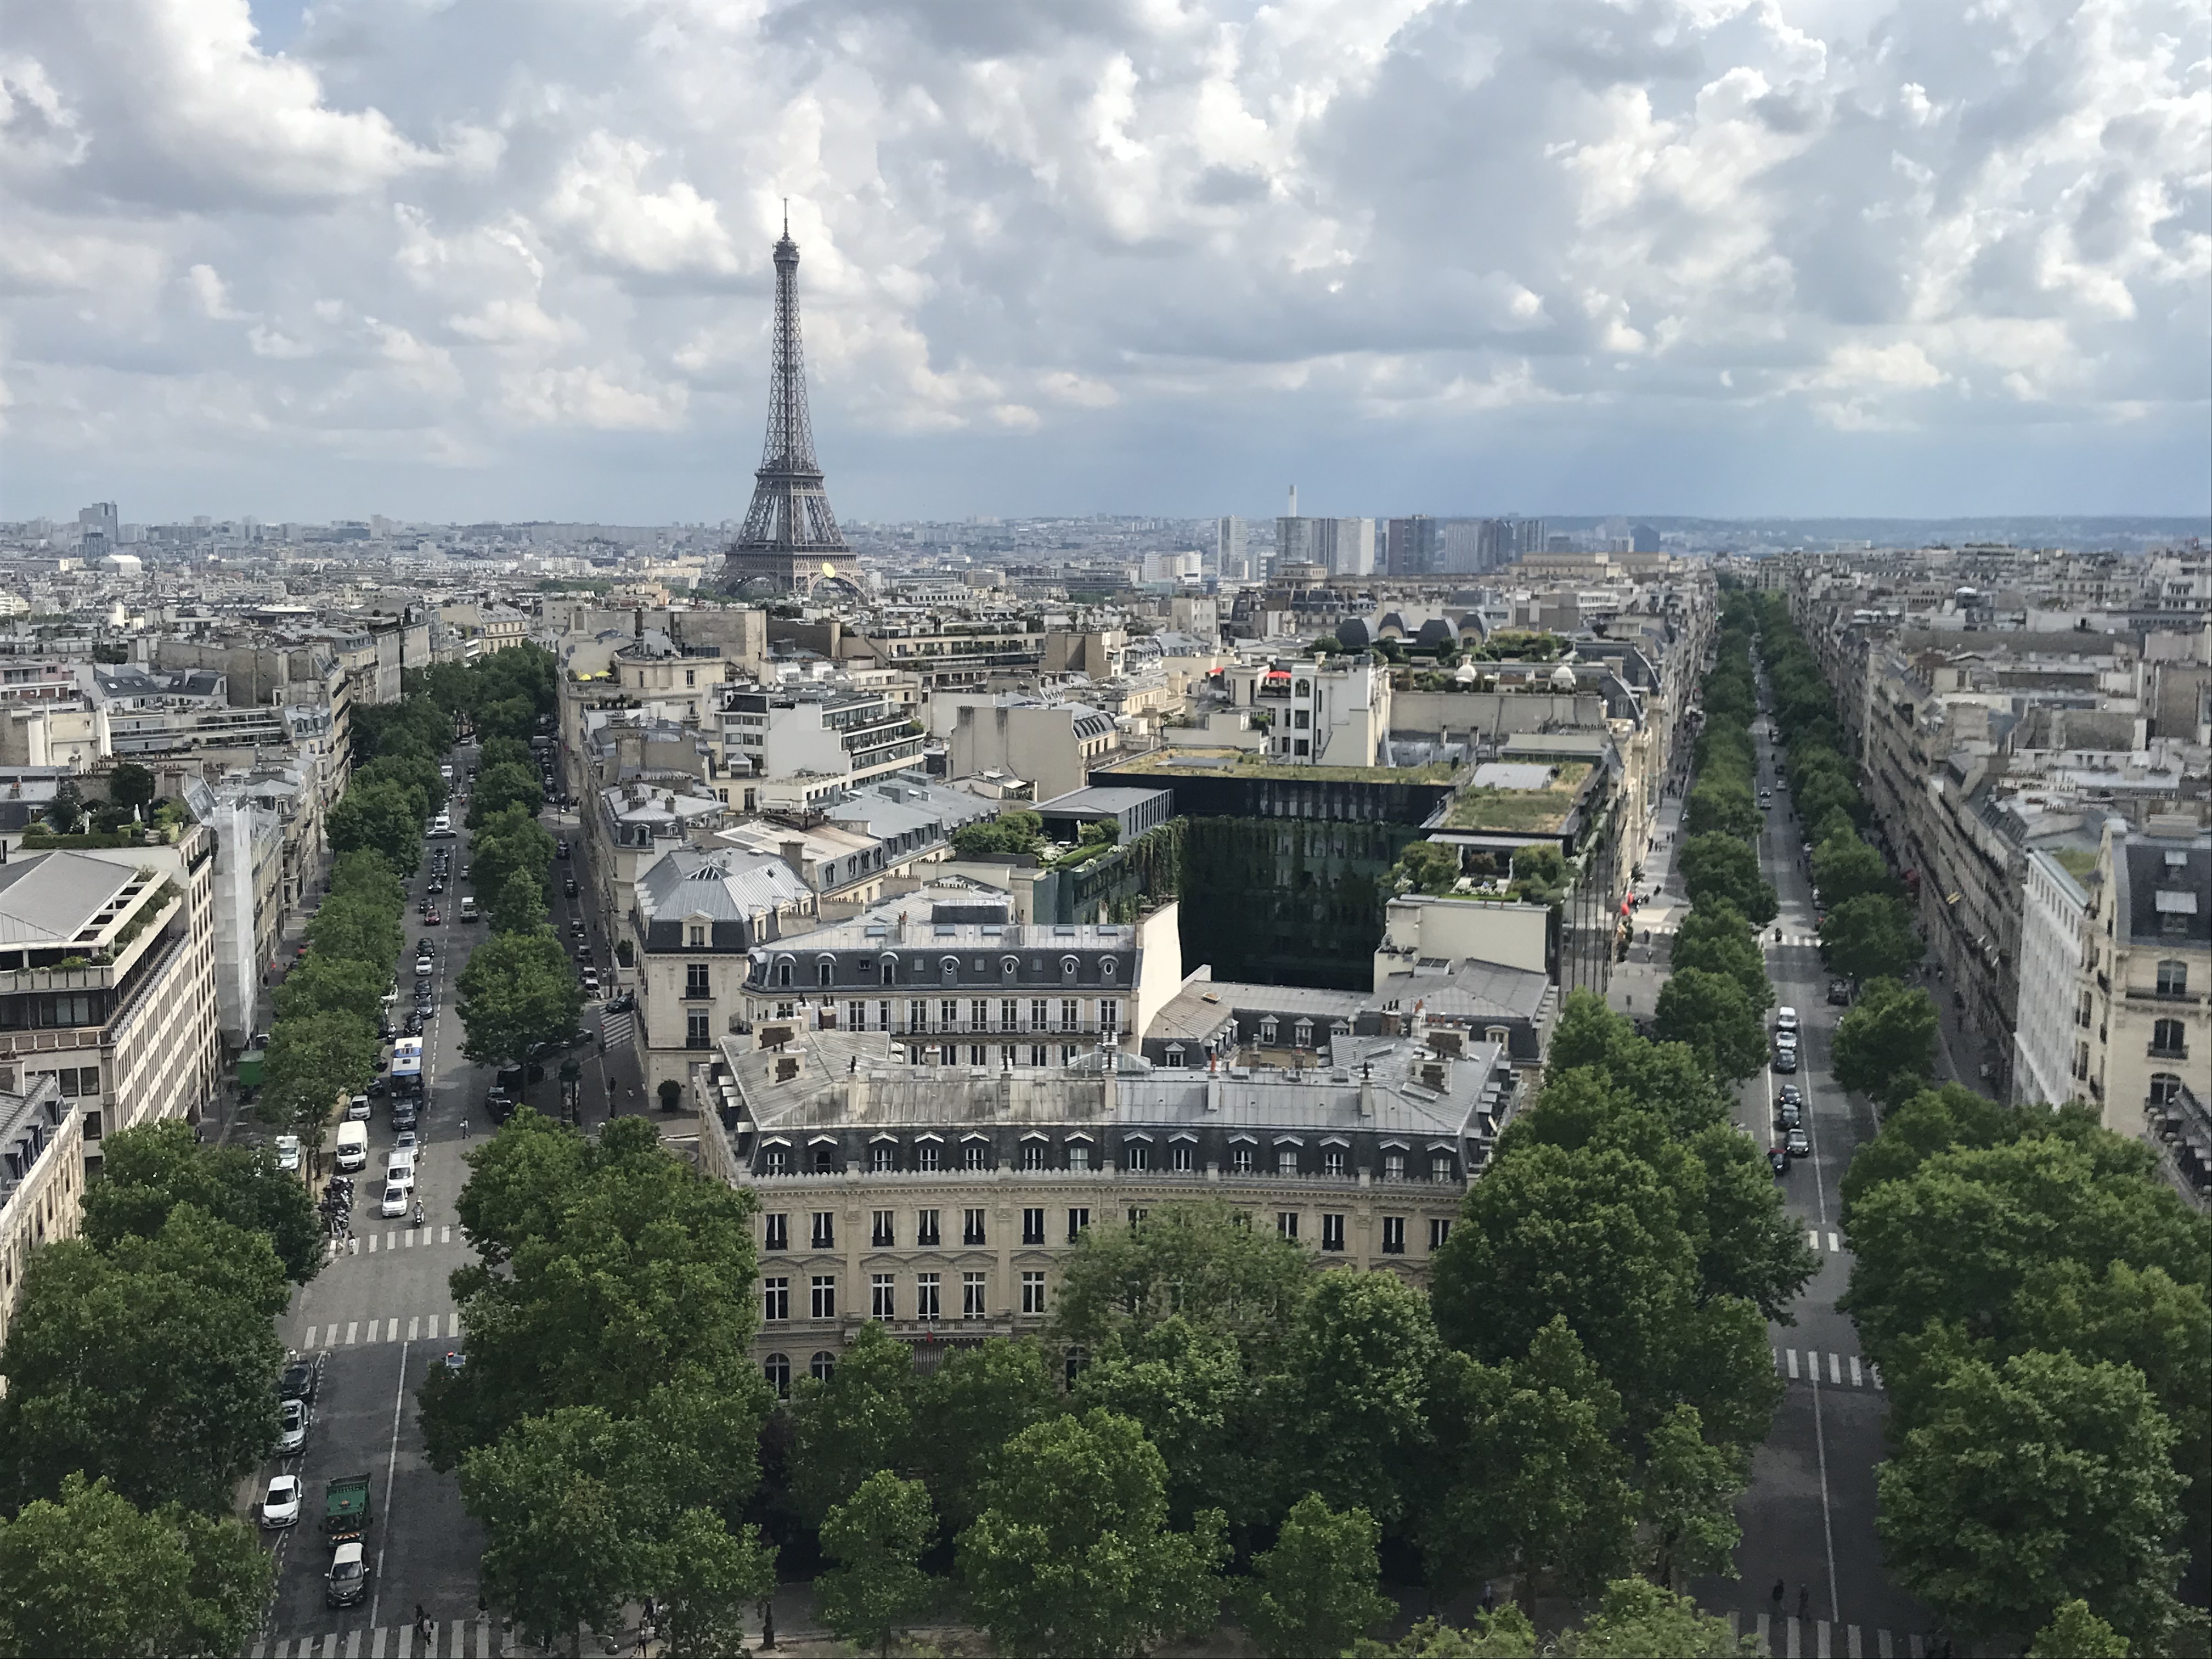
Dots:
pixel 568 886
pixel 1785 1060
pixel 1840 991
pixel 1787 1116
pixel 403 1113
pixel 498 1106
pixel 1798 1144
pixel 298 1382
pixel 413 1025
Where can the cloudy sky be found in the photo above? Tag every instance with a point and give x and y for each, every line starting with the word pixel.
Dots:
pixel 472 258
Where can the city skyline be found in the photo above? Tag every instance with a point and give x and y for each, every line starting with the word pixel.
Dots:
pixel 1813 259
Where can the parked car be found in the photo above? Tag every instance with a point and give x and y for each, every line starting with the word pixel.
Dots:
pixel 576 928
pixel 568 886
pixel 1839 993
pixel 357 1110
pixel 291 1426
pixel 279 1504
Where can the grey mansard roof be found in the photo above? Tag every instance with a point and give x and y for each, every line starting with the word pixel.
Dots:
pixel 727 888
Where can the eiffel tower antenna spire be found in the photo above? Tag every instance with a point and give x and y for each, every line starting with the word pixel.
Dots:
pixel 790 536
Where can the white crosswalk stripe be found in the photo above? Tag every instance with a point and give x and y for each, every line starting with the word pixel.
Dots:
pixel 460 1639
pixel 1821 1638
pixel 423 1327
pixel 1861 1375
pixel 617 1029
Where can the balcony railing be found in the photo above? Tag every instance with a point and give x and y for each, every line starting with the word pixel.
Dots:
pixel 2141 993
pixel 2178 1051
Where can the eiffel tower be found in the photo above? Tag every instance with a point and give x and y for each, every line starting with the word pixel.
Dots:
pixel 790 539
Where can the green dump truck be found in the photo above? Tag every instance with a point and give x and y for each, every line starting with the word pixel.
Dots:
pixel 346 1510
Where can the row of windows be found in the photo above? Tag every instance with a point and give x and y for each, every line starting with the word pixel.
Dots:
pixel 950 1014
pixel 786 971
pixel 975 1231
pixel 977 1155
pixel 928 1300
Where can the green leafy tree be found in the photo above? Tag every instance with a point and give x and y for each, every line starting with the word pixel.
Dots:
pixel 1319 1590
pixel 1886 1044
pixel 518 991
pixel 1201 1260
pixel 976 1401
pixel 501 787
pixel 1505 1634
pixel 1428 868
pixel 1722 867
pixel 146 1172
pixel 359 929
pixel 334 985
pixel 1531 1478
pixel 557 1502
pixel 1871 936
pixel 621 1269
pixel 2075 1632
pixel 878 1591
pixel 1848 868
pixel 89 1574
pixel 130 785
pixel 1637 1619
pixel 1688 1501
pixel 413 771
pixel 1349 1401
pixel 316 1055
pixel 1727 950
pixel 65 814
pixel 1932 1121
pixel 504 751
pixel 1722 806
pixel 1072 1555
pixel 1710 1014
pixel 519 905
pixel 860 1420
pixel 153 1363
pixel 378 818
pixel 2032 1484
pixel 1192 1394
pixel 1596 1234
pixel 705 1578
pixel 1009 832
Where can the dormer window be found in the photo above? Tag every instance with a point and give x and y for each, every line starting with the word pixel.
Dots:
pixel 949 970
pixel 1268 1032
pixel 891 969
pixel 825 970
pixel 783 972
pixel 1068 967
pixel 1106 968
pixel 1302 1033
pixel 1009 968
pixel 696 936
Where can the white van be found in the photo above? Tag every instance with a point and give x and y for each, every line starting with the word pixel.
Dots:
pixel 399 1169
pixel 468 909
pixel 352 1147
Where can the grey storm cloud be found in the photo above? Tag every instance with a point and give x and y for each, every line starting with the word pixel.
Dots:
pixel 475 255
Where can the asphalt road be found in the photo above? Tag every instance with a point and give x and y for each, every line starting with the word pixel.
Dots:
pixel 380 1316
pixel 1808 1517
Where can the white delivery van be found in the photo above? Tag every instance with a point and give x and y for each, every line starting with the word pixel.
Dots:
pixel 468 909
pixel 352 1146
pixel 399 1169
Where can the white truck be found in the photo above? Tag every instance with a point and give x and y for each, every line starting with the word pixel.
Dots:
pixel 352 1147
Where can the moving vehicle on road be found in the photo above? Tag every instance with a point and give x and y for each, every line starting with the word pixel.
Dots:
pixel 407 1069
pixel 425 964
pixel 1785 1060
pixel 298 1382
pixel 347 1581
pixel 1797 1144
pixel 399 1168
pixel 1839 993
pixel 468 909
pixel 279 1504
pixel 288 1152
pixel 1785 1018
pixel 394 1204
pixel 347 1509
pixel 291 1426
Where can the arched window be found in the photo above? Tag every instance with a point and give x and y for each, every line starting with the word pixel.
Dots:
pixel 1069 966
pixel 825 970
pixel 891 969
pixel 948 971
pixel 783 967
pixel 2165 1088
pixel 2173 978
pixel 824 1365
pixel 777 1369
pixel 2167 1041
pixel 1008 968
pixel 1303 689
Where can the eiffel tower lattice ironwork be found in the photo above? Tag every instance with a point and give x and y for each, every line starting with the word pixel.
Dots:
pixel 790 535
